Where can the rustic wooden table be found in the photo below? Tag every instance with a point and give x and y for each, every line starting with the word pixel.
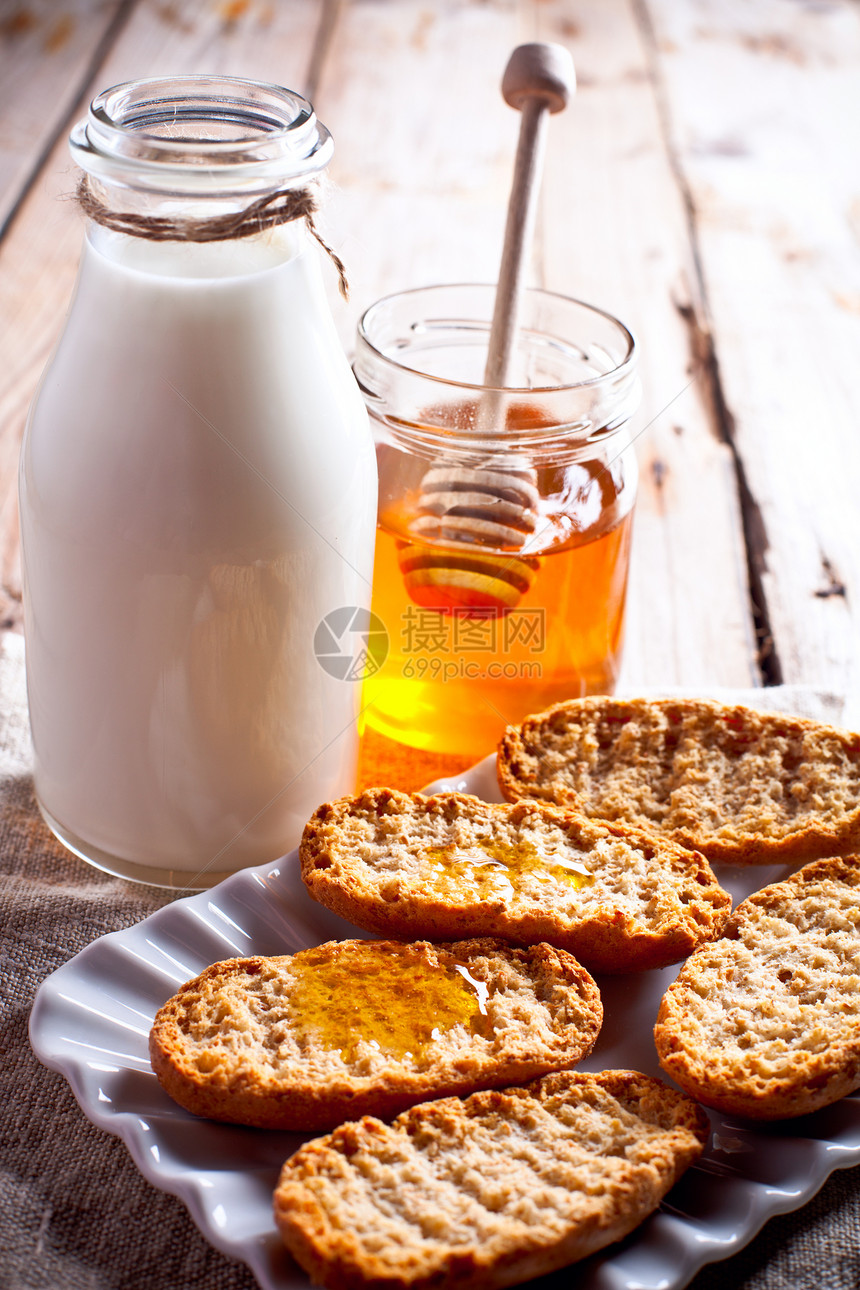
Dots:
pixel 703 186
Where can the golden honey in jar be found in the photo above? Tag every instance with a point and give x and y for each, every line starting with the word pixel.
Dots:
pixel 505 516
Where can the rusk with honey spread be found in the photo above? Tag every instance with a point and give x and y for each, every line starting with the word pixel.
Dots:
pixel 766 1022
pixel 490 1191
pixel 740 786
pixel 369 1027
pixel 451 865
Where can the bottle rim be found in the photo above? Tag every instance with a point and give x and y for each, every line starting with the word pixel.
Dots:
pixel 623 368
pixel 200 133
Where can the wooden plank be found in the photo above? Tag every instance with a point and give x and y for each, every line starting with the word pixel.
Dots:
pixel 424 142
pixel 764 108
pixel 38 257
pixel 46 53
pixel 614 231
pixel 420 195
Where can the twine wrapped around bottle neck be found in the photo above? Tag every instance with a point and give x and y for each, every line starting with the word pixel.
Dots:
pixel 277 208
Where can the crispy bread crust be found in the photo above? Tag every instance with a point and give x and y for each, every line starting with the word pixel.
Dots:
pixel 765 1023
pixel 222 1047
pixel 404 865
pixel 490 1191
pixel 742 787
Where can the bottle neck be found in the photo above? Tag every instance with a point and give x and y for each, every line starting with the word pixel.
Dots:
pixel 194 161
pixel 258 253
pixel 219 141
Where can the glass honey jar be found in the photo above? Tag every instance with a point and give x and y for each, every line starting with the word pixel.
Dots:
pixel 505 515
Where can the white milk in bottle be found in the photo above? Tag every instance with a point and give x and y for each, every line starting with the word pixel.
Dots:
pixel 198 494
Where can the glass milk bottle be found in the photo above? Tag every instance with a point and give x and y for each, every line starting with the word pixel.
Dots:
pixel 198 495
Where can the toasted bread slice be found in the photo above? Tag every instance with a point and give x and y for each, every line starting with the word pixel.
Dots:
pixel 489 1191
pixel 359 1027
pixel 451 865
pixel 740 786
pixel 766 1022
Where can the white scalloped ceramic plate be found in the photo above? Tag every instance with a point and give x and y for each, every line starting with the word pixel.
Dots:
pixel 91 1019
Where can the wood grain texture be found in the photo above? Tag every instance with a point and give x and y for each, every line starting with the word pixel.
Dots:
pixel 424 145
pixel 775 203
pixel 46 56
pixel 614 231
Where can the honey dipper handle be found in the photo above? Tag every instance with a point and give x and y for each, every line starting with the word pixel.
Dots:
pixel 539 79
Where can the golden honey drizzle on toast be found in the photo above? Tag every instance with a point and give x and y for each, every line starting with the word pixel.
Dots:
pixel 506 861
pixel 384 995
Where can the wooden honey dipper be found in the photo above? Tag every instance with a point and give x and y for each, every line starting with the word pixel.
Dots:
pixel 493 505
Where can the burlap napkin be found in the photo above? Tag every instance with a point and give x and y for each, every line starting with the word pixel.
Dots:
pixel 74 1212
